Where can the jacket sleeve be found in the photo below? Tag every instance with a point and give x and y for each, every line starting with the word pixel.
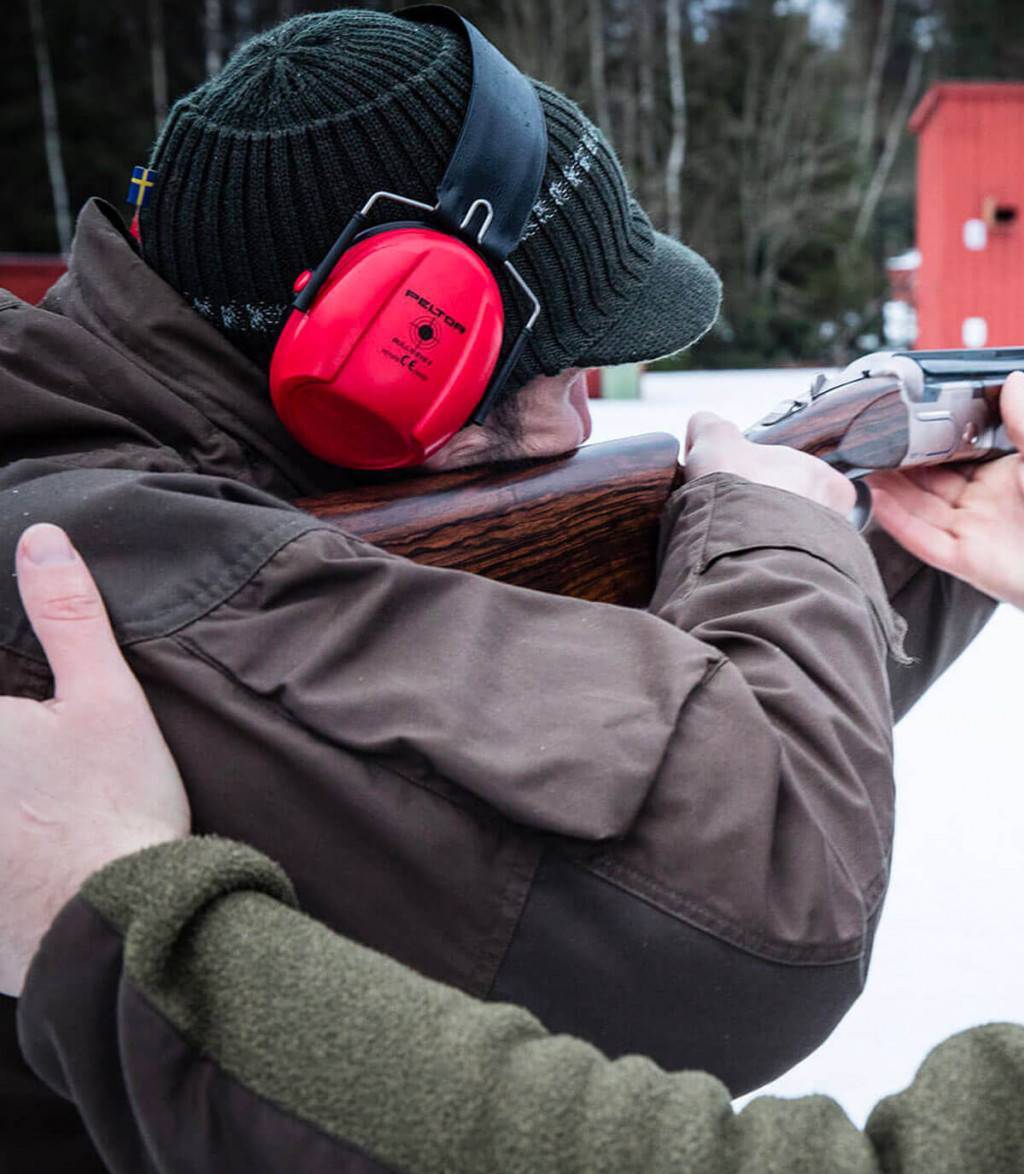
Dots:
pixel 942 616
pixel 201 1023
pixel 752 877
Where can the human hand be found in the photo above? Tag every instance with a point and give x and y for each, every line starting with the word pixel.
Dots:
pixel 966 519
pixel 713 445
pixel 87 775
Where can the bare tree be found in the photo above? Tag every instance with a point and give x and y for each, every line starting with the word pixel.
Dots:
pixel 157 61
pixel 792 162
pixel 620 29
pixel 213 35
pixel 555 68
pixel 677 103
pixel 647 103
pixel 873 84
pixel 517 31
pixel 598 81
pixel 893 137
pixel 244 21
pixel 51 129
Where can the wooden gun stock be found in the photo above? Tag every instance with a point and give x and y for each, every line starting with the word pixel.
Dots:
pixel 584 525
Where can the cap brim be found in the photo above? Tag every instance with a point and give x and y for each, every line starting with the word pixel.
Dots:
pixel 676 305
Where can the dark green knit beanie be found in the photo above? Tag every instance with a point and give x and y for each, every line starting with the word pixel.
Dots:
pixel 261 167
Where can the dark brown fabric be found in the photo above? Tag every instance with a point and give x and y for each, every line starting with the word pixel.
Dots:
pixel 39 1130
pixel 746 1018
pixel 151 1101
pixel 406 740
pixel 946 615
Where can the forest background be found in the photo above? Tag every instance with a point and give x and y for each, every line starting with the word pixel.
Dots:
pixel 771 135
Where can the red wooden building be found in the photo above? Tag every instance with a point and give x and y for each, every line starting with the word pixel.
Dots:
pixel 970 215
pixel 29 275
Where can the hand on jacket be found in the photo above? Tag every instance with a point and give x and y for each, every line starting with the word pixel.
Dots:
pixel 966 519
pixel 87 775
pixel 713 445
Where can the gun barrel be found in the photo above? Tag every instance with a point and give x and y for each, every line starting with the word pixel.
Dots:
pixel 992 364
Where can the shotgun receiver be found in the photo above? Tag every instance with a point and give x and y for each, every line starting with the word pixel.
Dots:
pixel 893 409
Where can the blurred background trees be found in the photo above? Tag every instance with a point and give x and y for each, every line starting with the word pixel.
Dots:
pixel 769 134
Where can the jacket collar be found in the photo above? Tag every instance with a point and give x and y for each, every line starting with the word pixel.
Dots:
pixel 111 292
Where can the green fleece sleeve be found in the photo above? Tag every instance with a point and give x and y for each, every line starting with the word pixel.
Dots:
pixel 228 1031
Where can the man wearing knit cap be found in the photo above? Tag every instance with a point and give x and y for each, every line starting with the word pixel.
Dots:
pixel 667 831
pixel 260 168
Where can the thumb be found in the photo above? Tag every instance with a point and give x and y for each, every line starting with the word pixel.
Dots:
pixel 63 605
pixel 706 425
pixel 1011 408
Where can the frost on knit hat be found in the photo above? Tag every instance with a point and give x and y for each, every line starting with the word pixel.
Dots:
pixel 261 167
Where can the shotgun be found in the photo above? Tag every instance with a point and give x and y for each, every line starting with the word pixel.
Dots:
pixel 586 524
pixel 895 409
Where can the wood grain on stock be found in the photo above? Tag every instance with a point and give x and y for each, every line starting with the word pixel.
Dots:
pixel 864 423
pixel 584 525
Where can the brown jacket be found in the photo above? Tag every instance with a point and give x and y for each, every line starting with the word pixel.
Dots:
pixel 666 831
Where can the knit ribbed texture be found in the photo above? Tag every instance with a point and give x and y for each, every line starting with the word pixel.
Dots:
pixel 262 166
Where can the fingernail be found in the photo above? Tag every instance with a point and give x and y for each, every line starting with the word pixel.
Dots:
pixel 45 544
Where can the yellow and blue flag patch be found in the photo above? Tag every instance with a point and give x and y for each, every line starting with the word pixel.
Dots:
pixel 141 185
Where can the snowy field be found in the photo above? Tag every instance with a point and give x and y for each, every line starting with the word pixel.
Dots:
pixel 950 949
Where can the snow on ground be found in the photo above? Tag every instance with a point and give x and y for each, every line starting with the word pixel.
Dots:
pixel 949 951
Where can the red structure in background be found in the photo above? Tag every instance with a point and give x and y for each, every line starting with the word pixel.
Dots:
pixel 29 275
pixel 970 215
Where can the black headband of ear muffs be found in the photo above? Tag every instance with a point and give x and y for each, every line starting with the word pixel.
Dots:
pixel 498 162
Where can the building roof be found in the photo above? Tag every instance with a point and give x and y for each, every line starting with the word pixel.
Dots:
pixel 963 92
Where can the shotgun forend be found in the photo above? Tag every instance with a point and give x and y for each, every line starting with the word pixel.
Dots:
pixel 899 408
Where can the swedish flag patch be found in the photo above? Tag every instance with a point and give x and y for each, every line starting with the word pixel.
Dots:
pixel 141 185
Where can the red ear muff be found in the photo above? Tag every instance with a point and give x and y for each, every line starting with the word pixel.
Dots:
pixel 392 342
pixel 395 352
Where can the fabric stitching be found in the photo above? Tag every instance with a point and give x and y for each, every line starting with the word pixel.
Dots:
pixel 513 900
pixel 888 629
pixel 840 954
pixel 214 595
pixel 676 904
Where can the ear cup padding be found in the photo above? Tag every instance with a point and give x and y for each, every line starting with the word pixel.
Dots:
pixel 395 352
